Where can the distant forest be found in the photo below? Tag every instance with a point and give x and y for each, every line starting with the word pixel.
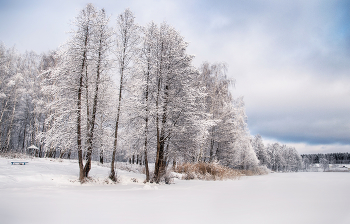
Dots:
pixel 333 158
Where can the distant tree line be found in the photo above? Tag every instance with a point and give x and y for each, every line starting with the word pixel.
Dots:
pixel 332 158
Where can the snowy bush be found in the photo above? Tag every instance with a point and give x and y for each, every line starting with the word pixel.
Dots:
pixel 167 178
pixel 257 170
pixel 131 167
pixel 14 155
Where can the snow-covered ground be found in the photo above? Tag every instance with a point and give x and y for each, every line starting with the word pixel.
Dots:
pixel 45 191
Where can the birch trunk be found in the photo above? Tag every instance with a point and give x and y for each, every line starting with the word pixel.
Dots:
pixel 112 174
pixel 80 89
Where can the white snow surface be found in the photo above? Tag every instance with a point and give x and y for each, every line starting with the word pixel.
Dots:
pixel 47 191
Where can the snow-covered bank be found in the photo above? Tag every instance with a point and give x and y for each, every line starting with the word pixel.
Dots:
pixel 45 191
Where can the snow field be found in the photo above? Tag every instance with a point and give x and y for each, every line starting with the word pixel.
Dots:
pixel 47 191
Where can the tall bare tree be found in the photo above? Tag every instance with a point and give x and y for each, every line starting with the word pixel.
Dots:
pixel 127 39
pixel 102 46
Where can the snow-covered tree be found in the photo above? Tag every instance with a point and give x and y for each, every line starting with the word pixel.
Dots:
pixel 324 164
pixel 127 40
pixel 243 153
pixel 74 84
pixel 283 158
pixel 218 101
pixel 260 150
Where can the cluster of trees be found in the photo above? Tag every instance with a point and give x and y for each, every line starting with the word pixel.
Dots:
pixel 126 93
pixel 331 158
pixel 20 97
pixel 277 157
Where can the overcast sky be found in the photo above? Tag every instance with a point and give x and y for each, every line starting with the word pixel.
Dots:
pixel 290 59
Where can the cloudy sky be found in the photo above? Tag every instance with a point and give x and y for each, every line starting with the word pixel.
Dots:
pixel 290 59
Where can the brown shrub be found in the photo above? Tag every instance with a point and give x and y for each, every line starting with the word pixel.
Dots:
pixel 206 171
pixel 215 171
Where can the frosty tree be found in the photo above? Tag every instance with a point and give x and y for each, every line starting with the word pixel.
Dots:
pixel 127 39
pixel 260 150
pixel 82 67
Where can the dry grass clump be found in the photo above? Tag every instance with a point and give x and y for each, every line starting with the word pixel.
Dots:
pixel 206 171
pixel 215 171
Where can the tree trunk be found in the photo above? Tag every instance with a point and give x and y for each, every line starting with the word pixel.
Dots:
pixel 24 137
pixel 159 147
pixel 156 168
pixel 11 122
pixel 101 156
pixel 217 152
pixel 161 163
pixel 80 153
pixel 146 142
pixel 92 122
pixel 112 174
pixel 80 89
pixel 147 114
pixel 211 150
